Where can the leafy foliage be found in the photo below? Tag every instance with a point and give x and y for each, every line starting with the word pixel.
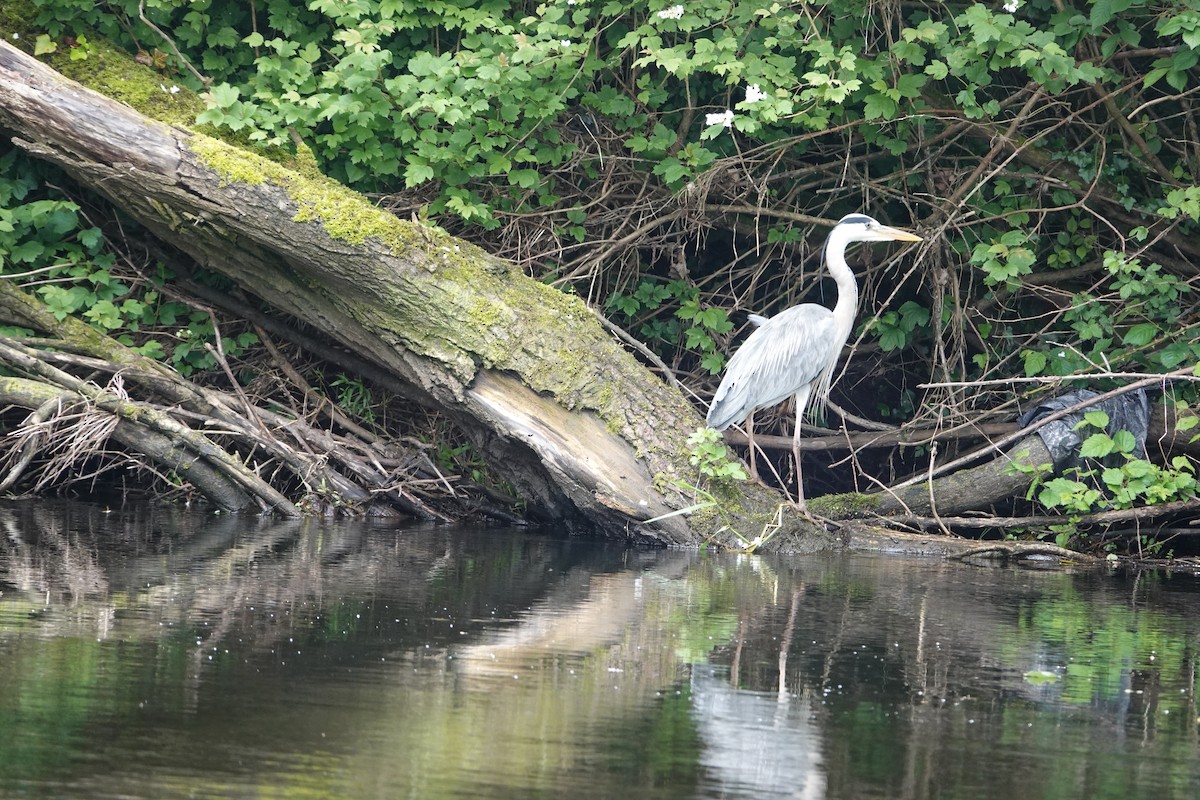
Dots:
pixel 49 245
pixel 485 112
pixel 691 327
pixel 668 161
pixel 712 458
pixel 1117 477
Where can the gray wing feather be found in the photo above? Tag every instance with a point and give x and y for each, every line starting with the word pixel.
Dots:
pixel 794 348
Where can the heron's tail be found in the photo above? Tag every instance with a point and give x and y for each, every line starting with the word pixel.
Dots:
pixel 727 408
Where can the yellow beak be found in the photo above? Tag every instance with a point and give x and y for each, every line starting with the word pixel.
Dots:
pixel 899 235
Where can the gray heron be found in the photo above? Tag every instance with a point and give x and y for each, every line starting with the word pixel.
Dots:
pixel 795 351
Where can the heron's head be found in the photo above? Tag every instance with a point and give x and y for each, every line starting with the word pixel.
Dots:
pixel 861 228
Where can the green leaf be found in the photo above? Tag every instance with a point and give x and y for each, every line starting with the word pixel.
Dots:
pixel 909 52
pixel 223 95
pixel 1103 11
pixel 937 70
pixel 671 171
pixel 152 349
pixel 43 44
pixel 525 178
pixel 910 85
pixel 624 303
pixel 1153 77
pixel 1140 334
pixel 1139 468
pixel 417 172
pixel 877 106
pixel 891 339
pixel 1112 477
pixel 1098 445
pixel 90 238
pixel 27 252
pixel 713 363
pixel 1124 441
pixel 104 313
pixel 1035 363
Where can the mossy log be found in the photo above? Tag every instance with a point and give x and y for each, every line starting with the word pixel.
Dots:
pixel 584 431
pixel 996 480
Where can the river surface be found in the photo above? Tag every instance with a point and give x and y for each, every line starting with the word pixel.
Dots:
pixel 162 654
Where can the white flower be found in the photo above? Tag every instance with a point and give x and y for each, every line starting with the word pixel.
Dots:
pixel 720 118
pixel 16 36
pixel 173 90
pixel 570 2
pixel 1011 6
pixel 754 93
pixel 674 12
pixel 564 42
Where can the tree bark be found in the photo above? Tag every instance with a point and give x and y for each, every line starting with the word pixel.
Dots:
pixel 582 429
pixel 972 489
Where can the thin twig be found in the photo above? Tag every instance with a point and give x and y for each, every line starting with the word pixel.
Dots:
pixel 142 15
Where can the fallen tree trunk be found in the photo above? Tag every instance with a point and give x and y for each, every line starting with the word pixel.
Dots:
pixel 584 431
pixel 1007 475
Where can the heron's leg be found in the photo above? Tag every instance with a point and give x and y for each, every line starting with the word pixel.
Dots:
pixel 796 456
pixel 801 404
pixel 750 438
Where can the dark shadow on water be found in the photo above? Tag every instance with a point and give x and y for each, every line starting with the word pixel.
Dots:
pixel 160 653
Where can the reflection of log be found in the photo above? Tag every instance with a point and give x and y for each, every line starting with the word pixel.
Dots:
pixel 563 623
pixel 551 628
pixel 579 427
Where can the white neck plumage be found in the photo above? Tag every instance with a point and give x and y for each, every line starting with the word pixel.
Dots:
pixel 846 308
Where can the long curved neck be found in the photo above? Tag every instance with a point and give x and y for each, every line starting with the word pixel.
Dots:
pixel 846 307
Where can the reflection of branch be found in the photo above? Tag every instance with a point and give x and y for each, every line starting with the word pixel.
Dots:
pixel 49 561
pixel 785 641
pixel 1021 550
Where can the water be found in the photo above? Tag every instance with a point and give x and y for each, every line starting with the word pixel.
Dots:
pixel 159 654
